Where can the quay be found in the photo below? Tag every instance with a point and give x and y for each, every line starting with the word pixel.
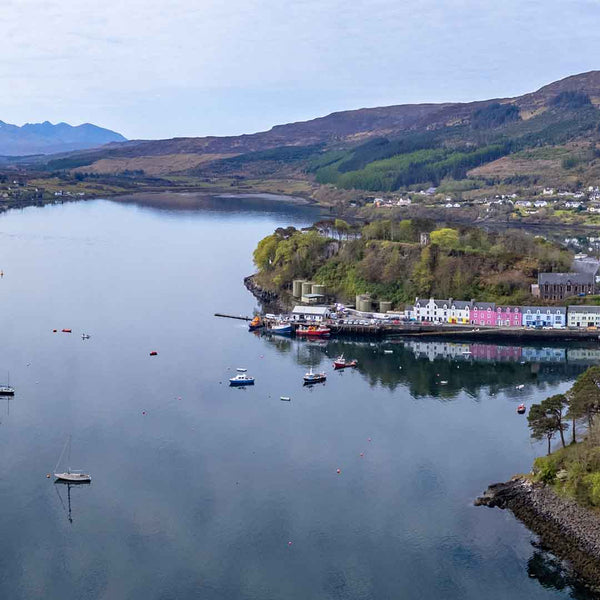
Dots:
pixel 445 331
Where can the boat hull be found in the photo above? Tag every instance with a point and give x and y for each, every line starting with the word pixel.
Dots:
pixel 314 332
pixel 344 365
pixel 239 382
pixel 282 330
pixel 73 477
pixel 311 380
pixel 7 392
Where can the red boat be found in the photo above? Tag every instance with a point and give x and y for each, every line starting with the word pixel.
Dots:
pixel 313 331
pixel 521 409
pixel 341 363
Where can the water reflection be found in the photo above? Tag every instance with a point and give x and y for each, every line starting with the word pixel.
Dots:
pixel 66 506
pixel 443 369
pixel 553 573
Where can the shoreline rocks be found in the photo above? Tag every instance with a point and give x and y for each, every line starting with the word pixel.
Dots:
pixel 570 531
pixel 271 301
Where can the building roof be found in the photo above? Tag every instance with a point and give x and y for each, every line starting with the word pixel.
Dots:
pixel 313 295
pixel 561 310
pixel 564 278
pixel 484 305
pixel 440 303
pixel 584 309
pixel 462 304
pixel 311 310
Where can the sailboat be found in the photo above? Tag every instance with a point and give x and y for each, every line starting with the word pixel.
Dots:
pixel 71 475
pixel 6 390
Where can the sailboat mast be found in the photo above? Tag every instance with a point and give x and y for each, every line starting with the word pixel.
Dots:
pixel 67 442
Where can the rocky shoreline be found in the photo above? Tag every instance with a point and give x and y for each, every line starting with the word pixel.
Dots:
pixel 271 301
pixel 570 531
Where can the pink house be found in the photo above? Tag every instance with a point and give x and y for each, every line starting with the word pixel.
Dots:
pixel 508 316
pixel 484 313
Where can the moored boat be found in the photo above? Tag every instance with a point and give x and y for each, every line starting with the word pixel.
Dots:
pixel 70 475
pixel 256 323
pixel 341 363
pixel 7 389
pixel 313 331
pixel 521 409
pixel 241 379
pixel 311 377
pixel 282 328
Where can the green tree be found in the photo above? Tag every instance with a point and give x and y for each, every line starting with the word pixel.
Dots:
pixel 541 425
pixel 584 398
pixel 264 255
pixel 446 238
pixel 554 407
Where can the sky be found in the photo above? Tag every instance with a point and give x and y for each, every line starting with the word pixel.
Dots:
pixel 157 69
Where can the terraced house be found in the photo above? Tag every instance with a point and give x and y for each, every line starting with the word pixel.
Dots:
pixel 544 316
pixel 584 316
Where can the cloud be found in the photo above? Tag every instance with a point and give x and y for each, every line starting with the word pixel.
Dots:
pixel 61 58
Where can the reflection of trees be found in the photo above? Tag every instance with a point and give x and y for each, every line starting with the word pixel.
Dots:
pixel 423 376
pixel 552 573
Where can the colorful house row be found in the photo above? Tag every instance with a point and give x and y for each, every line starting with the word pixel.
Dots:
pixel 488 314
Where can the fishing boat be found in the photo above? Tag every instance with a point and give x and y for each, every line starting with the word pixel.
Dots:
pixel 311 377
pixel 256 323
pixel 7 390
pixel 241 378
pixel 70 475
pixel 521 409
pixel 313 331
pixel 282 328
pixel 341 363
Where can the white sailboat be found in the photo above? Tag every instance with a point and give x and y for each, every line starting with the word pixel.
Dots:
pixel 7 390
pixel 70 475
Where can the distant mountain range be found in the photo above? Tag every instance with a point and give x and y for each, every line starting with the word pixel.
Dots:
pixel 46 138
pixel 551 135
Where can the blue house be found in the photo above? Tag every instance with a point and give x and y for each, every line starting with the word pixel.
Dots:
pixel 544 316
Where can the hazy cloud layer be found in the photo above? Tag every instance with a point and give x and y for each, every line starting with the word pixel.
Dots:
pixel 194 67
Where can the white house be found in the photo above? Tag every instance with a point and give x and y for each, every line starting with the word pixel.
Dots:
pixel 460 311
pixel 434 311
pixel 583 316
pixel 310 313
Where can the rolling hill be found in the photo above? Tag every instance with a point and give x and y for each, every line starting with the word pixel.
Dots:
pixel 501 140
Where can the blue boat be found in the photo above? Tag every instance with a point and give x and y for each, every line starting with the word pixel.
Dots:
pixel 311 377
pixel 241 379
pixel 282 329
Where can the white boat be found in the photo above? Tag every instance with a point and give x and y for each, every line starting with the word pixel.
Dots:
pixel 241 378
pixel 7 390
pixel 70 475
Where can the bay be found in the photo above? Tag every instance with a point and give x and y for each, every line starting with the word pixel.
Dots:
pixel 198 489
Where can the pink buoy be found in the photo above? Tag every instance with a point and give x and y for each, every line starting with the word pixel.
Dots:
pixel 289 543
pixel 362 453
pixel 369 439
pixel 339 471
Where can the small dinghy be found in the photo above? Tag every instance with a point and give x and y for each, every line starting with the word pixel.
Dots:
pixel 85 336
pixel 311 377
pixel 341 363
pixel 521 409
pixel 241 378
pixel 70 475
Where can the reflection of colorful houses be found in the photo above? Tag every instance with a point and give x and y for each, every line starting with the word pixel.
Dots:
pixel 496 353
pixel 484 313
pixel 544 354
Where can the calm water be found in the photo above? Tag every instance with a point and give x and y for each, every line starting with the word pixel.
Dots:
pixel 198 488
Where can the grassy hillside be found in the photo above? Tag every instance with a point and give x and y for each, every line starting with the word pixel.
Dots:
pixel 385 258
